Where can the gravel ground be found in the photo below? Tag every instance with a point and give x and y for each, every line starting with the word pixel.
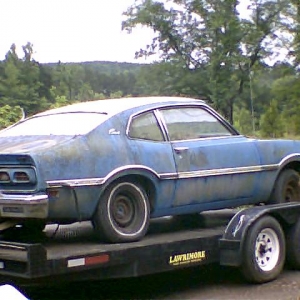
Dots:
pixel 209 282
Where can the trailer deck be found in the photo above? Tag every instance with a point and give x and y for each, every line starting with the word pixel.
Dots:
pixel 258 240
pixel 73 252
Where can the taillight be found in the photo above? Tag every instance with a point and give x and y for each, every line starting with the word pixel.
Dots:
pixel 21 177
pixel 4 177
pixel 15 176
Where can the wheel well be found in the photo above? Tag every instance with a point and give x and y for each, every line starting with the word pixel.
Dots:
pixel 145 182
pixel 294 165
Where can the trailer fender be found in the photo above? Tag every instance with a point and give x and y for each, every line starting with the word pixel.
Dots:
pixel 232 241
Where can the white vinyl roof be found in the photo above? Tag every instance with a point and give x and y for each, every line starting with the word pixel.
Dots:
pixel 113 106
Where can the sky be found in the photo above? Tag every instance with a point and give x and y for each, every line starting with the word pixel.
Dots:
pixel 70 30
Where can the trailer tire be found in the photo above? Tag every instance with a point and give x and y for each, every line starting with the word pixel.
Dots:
pixel 293 246
pixel 286 187
pixel 123 213
pixel 263 251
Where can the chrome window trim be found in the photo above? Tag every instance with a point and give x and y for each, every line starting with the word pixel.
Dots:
pixel 152 110
pixel 208 138
pixel 231 131
pixel 201 104
pixel 161 124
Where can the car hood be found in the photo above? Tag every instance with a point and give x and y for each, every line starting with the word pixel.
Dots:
pixel 30 144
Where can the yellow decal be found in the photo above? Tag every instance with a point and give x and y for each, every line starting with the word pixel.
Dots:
pixel 187 258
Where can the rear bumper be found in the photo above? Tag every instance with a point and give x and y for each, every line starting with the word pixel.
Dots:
pixel 24 206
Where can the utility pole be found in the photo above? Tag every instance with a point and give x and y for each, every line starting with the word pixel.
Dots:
pixel 251 100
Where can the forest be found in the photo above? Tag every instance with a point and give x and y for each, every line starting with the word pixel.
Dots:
pixel 246 67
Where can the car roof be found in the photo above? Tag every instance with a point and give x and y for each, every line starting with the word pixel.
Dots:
pixel 114 106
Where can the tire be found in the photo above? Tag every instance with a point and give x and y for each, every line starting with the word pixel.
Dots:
pixel 286 187
pixel 263 251
pixel 293 246
pixel 123 213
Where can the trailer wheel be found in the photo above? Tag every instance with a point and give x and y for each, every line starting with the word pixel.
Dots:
pixel 123 213
pixel 263 251
pixel 286 187
pixel 293 246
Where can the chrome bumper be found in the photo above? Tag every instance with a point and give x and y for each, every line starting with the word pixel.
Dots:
pixel 23 206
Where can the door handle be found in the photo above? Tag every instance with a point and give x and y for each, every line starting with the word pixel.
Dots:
pixel 180 149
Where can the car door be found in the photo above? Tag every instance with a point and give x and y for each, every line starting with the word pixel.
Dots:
pixel 213 162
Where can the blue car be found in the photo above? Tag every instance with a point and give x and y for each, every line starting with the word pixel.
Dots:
pixel 121 162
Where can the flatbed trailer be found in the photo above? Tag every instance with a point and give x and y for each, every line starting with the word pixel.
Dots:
pixel 233 238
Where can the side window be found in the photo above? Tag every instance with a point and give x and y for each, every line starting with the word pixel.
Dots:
pixel 145 127
pixel 187 123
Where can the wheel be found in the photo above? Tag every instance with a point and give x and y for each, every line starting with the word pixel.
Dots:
pixel 286 187
pixel 293 246
pixel 263 251
pixel 123 213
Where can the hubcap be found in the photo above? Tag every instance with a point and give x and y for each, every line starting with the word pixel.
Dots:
pixel 267 249
pixel 123 210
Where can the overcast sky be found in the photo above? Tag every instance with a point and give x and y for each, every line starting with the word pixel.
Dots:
pixel 70 30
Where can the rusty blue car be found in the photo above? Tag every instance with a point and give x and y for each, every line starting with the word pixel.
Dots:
pixel 121 162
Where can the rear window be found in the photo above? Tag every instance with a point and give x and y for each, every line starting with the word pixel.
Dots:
pixel 57 124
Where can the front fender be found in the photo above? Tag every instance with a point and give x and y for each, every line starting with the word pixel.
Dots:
pixel 289 159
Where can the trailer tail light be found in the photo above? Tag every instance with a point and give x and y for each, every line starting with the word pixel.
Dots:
pixel 88 261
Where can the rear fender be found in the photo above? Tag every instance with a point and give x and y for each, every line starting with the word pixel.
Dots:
pixel 133 173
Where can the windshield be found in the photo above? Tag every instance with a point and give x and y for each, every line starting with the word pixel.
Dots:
pixel 75 123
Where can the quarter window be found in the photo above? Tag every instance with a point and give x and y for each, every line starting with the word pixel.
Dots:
pixel 192 123
pixel 145 127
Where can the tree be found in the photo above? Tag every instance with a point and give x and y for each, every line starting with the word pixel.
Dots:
pixel 271 122
pixel 243 121
pixel 19 83
pixel 12 88
pixel 286 91
pixel 9 115
pixel 295 31
pixel 211 36
pixel 30 78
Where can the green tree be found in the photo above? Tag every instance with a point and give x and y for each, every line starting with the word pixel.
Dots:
pixel 19 83
pixel 271 122
pixel 286 91
pixel 211 36
pixel 9 115
pixel 11 86
pixel 30 78
pixel 243 121
pixel 295 30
